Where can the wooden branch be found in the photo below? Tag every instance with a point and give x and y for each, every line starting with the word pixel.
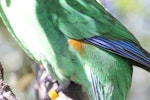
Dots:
pixel 43 84
pixel 5 91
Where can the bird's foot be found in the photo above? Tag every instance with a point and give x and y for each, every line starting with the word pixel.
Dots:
pixel 53 94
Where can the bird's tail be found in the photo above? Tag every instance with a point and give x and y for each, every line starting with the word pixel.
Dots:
pixel 107 91
pixel 101 91
pixel 92 89
pixel 96 87
pixel 97 91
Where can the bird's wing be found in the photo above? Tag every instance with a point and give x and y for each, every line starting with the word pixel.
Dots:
pixel 88 21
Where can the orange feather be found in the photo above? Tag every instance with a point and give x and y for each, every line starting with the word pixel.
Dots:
pixel 76 45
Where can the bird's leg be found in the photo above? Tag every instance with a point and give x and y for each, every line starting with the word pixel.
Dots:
pixel 53 94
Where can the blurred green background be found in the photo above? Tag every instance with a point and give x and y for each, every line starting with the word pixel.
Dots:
pixel 134 14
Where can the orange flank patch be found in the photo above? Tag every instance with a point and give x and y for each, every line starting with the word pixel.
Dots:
pixel 76 45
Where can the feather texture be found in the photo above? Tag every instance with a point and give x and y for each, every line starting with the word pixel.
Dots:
pixel 109 48
pixel 122 48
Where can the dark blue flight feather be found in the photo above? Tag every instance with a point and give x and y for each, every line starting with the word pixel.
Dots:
pixel 122 48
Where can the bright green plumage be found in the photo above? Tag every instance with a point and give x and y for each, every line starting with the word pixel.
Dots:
pixel 43 28
pixel 86 18
pixel 111 71
pixel 44 43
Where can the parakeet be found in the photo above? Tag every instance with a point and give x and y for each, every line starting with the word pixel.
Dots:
pixel 77 40
pixel 28 21
pixel 105 46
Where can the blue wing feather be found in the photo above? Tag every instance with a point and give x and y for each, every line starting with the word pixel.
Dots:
pixel 122 48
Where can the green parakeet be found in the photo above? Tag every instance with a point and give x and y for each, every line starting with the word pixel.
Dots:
pixel 105 46
pixel 77 40
pixel 28 22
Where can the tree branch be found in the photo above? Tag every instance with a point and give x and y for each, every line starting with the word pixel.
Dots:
pixel 5 91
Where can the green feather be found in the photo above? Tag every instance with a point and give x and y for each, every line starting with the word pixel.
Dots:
pixel 43 42
pixel 81 19
pixel 42 28
pixel 113 73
